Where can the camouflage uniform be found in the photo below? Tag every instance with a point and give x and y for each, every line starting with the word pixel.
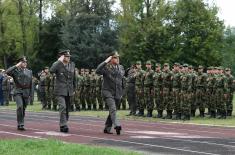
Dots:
pixel 229 100
pixel 210 94
pixel 148 90
pixel 176 84
pixel 77 94
pixel 93 93
pixel 167 86
pixel 157 85
pixel 139 75
pixel 87 89
pixel 6 89
pixel 99 82
pixel 200 83
pixel 82 90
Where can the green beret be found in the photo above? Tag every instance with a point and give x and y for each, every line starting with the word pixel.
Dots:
pixel 176 64
pixel 190 66
pixel 185 65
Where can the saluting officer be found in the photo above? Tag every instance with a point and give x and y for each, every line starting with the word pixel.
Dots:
pixel 22 90
pixel 112 89
pixel 65 85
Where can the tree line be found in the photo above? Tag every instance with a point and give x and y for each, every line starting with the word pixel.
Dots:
pixel 184 31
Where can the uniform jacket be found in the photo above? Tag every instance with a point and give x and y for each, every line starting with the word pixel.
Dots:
pixel 65 81
pixel 22 79
pixel 112 80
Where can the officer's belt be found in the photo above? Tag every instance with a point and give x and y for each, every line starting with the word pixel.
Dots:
pixel 23 86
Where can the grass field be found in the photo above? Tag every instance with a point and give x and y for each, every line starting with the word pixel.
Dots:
pixel 54 147
pixel 230 121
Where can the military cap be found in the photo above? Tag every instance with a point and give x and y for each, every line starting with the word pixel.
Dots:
pixel 87 70
pixel 166 64
pixel 138 63
pixel 148 62
pixel 46 67
pixel 23 58
pixel 220 68
pixel 176 64
pixel 93 70
pixel 200 67
pixel 190 66
pixel 114 54
pixel 185 65
pixel 64 52
pixel 157 65
pixel 227 69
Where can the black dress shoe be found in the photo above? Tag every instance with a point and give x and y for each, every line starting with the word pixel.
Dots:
pixel 107 132
pixel 118 129
pixel 64 129
pixel 20 127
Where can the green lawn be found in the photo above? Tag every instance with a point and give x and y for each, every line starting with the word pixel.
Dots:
pixel 230 121
pixel 54 147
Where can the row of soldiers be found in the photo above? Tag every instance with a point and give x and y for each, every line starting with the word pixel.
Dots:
pixel 180 91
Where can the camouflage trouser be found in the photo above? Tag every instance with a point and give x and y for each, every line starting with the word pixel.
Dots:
pixel 140 99
pixel 83 99
pixel 167 99
pixel 176 100
pixel 185 102
pixel 100 99
pixel 6 97
pixel 220 100
pixel 210 100
pixel 229 103
pixel 87 97
pixel 49 98
pixel 148 98
pixel 54 100
pixel 43 99
pixel 92 99
pixel 123 100
pixel 77 99
pixel 200 99
pixel 158 99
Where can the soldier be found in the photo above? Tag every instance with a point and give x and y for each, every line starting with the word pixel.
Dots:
pixel 65 85
pixel 82 92
pixel 139 88
pixel 124 96
pixel 200 84
pixel 157 85
pixel 93 95
pixel 112 89
pixel 99 94
pixel 167 86
pixel 185 94
pixel 221 92
pixel 43 88
pixel 229 101
pixel 148 88
pixel 52 87
pixel 6 88
pixel 176 81
pixel 22 91
pixel 77 95
pixel 131 96
pixel 87 88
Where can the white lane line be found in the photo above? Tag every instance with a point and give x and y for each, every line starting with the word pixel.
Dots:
pixel 198 131
pixel 22 135
pixel 130 142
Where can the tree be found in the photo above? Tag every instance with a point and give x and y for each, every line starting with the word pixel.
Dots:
pixel 88 31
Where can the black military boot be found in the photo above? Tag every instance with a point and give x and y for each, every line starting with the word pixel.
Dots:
pixel 100 107
pixel 89 107
pixel 118 129
pixel 169 114
pixel 222 115
pixel 159 114
pixel 193 113
pixel 213 114
pixel 177 116
pixel 71 108
pixel 229 112
pixel 94 107
pixel 141 113
pixel 64 129
pixel 202 113
pixel 149 114
pixel 49 107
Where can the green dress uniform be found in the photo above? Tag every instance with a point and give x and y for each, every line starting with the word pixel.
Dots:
pixel 22 90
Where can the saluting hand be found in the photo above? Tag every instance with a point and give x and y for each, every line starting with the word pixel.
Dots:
pixel 61 58
pixel 108 59
pixel 18 64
